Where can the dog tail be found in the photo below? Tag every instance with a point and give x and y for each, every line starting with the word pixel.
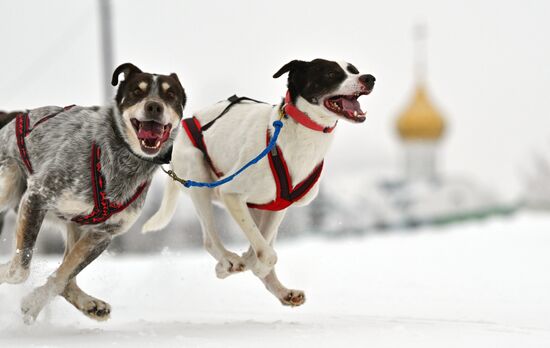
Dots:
pixel 6 117
pixel 167 208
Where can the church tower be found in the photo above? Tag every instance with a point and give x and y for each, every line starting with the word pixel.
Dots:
pixel 420 125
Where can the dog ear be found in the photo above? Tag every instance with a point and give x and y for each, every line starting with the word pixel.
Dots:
pixel 289 67
pixel 127 69
pixel 182 90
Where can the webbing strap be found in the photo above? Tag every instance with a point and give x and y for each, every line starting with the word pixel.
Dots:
pixel 23 129
pixel 286 194
pixel 232 101
pixel 103 207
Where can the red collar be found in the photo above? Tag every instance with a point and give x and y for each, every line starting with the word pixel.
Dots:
pixel 302 118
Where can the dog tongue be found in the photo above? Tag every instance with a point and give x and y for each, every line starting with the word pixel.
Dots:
pixel 150 130
pixel 351 105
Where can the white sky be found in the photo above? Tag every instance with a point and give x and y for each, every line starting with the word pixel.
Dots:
pixel 489 65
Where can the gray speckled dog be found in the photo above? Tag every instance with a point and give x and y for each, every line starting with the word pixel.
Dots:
pixel 88 168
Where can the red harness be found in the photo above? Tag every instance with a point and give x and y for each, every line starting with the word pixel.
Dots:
pixel 103 207
pixel 302 118
pixel 286 194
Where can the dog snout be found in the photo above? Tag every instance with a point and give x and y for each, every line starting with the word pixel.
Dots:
pixel 153 109
pixel 367 80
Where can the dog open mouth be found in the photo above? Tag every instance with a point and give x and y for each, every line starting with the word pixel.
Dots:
pixel 347 106
pixel 151 135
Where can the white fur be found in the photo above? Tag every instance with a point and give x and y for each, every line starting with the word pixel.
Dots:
pixel 71 205
pixel 232 141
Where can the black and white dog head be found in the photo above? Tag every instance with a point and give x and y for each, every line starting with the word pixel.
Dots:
pixel 149 106
pixel 327 88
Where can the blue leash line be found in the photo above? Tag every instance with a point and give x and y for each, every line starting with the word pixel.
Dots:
pixel 190 183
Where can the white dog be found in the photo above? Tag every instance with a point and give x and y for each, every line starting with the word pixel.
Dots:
pixel 320 93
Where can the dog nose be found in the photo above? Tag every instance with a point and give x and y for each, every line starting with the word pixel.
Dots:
pixel 153 109
pixel 367 80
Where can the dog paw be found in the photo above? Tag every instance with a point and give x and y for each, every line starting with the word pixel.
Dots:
pixel 229 265
pixel 13 275
pixel 90 306
pixel 33 303
pixel 293 298
pixel 96 309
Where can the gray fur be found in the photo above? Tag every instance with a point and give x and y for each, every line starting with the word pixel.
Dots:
pixel 60 150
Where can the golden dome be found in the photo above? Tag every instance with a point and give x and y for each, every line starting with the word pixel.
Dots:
pixel 420 120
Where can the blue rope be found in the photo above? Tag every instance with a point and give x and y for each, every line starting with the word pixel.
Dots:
pixel 272 143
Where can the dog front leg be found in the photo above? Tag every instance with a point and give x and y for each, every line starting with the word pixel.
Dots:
pixel 85 250
pixel 264 253
pixel 32 211
pixel 90 306
pixel 269 222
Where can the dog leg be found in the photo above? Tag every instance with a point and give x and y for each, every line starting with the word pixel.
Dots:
pixel 90 306
pixel 265 255
pixel 85 250
pixel 269 223
pixel 29 219
pixel 10 188
pixel 228 262
pixel 288 297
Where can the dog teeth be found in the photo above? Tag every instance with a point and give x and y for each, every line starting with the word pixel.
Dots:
pixel 156 146
pixel 355 113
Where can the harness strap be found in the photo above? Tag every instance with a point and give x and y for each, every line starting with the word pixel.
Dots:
pixel 286 194
pixel 103 207
pixel 303 118
pixel 23 129
pixel 232 101
pixel 194 131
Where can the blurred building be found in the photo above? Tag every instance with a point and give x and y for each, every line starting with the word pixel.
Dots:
pixel 416 192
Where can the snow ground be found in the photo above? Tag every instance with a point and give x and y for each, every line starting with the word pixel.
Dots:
pixel 481 284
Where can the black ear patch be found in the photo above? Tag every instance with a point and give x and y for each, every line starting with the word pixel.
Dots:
pixel 127 69
pixel 289 67
pixel 180 89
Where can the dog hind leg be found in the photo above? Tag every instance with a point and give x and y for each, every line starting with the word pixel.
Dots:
pixel 90 306
pixel 2 217
pixel 10 188
pixel 29 219
pixel 228 262
pixel 85 250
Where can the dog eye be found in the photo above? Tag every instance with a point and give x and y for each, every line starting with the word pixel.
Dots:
pixel 331 75
pixel 171 95
pixel 138 92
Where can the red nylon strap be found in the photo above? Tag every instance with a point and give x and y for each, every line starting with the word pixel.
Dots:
pixel 103 207
pixel 193 129
pixel 286 194
pixel 23 129
pixel 302 118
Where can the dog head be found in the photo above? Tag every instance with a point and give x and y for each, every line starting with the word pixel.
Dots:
pixel 149 105
pixel 326 88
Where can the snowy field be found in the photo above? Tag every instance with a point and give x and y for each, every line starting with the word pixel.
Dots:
pixel 480 284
